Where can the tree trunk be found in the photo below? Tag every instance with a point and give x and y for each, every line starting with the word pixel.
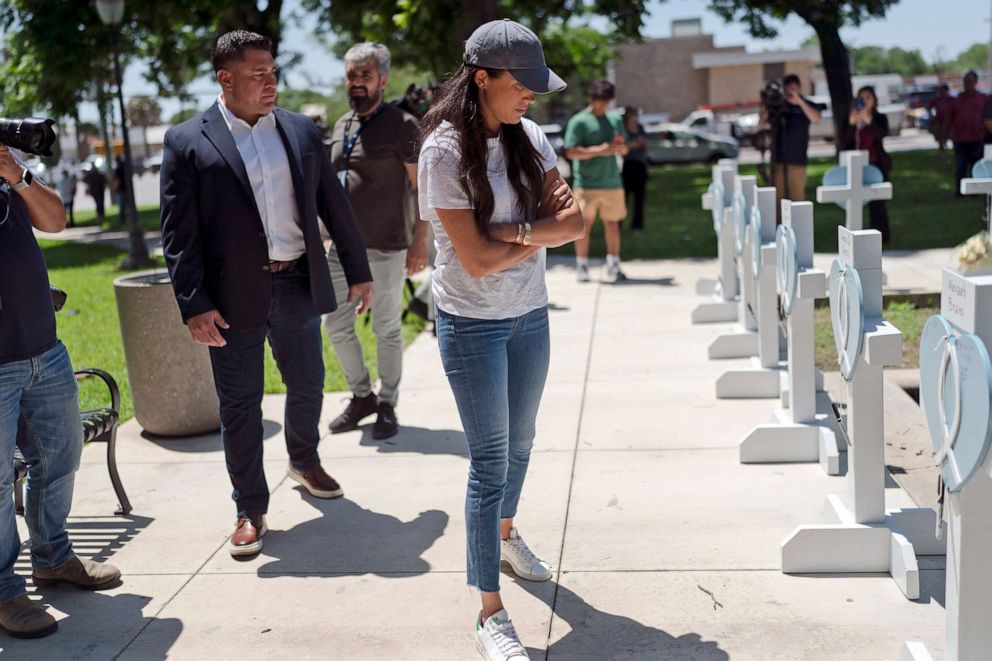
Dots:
pixel 833 52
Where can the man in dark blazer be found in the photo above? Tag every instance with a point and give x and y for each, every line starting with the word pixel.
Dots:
pixel 242 187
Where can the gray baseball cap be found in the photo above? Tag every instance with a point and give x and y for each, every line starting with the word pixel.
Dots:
pixel 509 45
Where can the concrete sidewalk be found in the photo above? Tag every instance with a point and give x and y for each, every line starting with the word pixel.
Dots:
pixel 663 545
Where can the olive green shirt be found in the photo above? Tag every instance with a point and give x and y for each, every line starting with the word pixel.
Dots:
pixel 587 130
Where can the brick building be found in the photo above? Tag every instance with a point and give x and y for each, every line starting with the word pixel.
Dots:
pixel 681 73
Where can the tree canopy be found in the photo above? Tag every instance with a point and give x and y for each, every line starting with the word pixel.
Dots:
pixel 826 17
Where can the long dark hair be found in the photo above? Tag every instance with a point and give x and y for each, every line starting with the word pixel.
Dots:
pixel 458 104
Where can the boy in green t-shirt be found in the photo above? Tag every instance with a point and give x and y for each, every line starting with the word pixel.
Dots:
pixel 593 140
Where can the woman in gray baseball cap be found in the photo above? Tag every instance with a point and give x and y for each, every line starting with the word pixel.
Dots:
pixel 489 185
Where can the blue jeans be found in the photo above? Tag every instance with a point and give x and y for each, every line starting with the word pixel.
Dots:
pixel 293 330
pixel 39 411
pixel 497 371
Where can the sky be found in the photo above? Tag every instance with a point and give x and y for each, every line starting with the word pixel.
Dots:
pixel 935 27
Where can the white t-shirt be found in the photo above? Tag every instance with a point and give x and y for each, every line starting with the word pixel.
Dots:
pixel 502 295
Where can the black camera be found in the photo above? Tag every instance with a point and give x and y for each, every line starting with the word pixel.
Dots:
pixel 773 97
pixel 32 135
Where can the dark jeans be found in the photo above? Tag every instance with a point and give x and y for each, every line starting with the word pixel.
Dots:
pixel 293 331
pixel 878 212
pixel 98 199
pixel 635 179
pixel 966 154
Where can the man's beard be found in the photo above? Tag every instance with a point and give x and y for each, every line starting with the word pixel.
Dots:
pixel 363 103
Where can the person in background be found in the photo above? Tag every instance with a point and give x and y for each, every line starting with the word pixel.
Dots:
pixel 790 139
pixel 940 113
pixel 635 166
pixel 867 128
pixel 67 184
pixel 96 187
pixel 374 150
pixel 967 128
pixel 593 140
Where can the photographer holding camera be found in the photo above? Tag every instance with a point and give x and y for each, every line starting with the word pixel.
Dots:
pixel 789 115
pixel 39 398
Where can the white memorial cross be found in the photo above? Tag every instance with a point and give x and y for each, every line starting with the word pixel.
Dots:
pixel 863 536
pixel 981 185
pixel 741 341
pixel 763 378
pixel 955 373
pixel 854 194
pixel 723 291
pixel 798 433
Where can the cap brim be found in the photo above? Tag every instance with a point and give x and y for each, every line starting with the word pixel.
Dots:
pixel 541 80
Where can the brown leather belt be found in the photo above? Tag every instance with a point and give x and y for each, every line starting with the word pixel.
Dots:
pixel 276 267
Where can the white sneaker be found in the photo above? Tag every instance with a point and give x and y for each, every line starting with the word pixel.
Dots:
pixel 497 640
pixel 582 272
pixel 522 560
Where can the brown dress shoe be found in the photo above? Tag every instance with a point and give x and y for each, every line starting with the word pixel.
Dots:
pixel 21 618
pixel 82 573
pixel 247 537
pixel 317 482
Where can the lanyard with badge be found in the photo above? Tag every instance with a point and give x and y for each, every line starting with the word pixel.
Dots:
pixel 350 141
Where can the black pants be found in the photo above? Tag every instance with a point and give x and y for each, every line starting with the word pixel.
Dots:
pixel 635 179
pixel 68 211
pixel 293 331
pixel 98 199
pixel 966 154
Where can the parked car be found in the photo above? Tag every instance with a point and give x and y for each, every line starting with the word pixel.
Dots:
pixel 153 163
pixel 675 143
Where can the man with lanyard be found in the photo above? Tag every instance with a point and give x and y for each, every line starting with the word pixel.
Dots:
pixel 374 151
pixel 39 410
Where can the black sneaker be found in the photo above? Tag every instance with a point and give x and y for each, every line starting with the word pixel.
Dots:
pixel 385 425
pixel 357 410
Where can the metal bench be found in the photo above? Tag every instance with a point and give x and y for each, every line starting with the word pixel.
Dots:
pixel 99 425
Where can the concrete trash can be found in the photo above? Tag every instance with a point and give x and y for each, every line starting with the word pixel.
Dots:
pixel 172 385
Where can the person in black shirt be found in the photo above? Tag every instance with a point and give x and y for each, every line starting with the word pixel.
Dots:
pixel 39 408
pixel 790 122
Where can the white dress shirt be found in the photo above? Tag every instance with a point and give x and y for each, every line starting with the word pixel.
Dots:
pixel 267 164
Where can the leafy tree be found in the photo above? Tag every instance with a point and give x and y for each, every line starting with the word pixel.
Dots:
pixel 144 111
pixel 974 57
pixel 55 51
pixel 411 27
pixel 182 115
pixel 826 17
pixel 868 60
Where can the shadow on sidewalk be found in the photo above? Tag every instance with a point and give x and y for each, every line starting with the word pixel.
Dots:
pixel 351 540
pixel 596 634
pixel 419 439
pixel 97 624
pixel 205 442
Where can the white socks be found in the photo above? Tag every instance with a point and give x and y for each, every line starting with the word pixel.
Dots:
pixel 613 260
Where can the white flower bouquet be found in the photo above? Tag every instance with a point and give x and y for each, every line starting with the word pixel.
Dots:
pixel 974 254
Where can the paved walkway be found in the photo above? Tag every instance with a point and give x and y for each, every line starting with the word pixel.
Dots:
pixel 664 546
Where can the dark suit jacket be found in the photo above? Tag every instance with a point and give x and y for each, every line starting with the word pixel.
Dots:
pixel 212 233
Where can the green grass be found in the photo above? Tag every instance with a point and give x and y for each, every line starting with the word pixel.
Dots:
pixel 148 216
pixel 905 316
pixel 923 212
pixel 89 327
